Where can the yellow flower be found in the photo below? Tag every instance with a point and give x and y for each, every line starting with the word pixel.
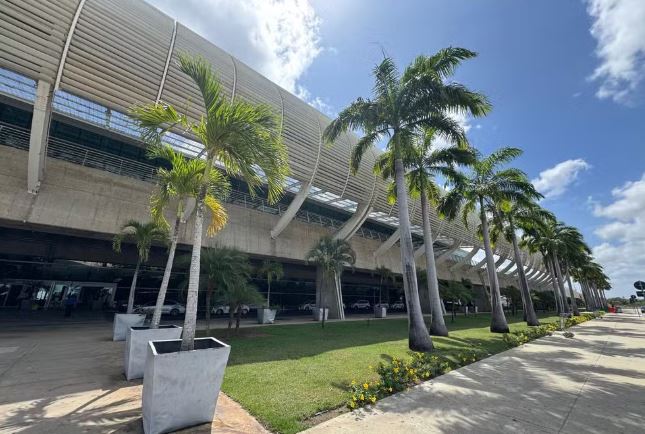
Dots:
pixel 366 386
pixel 352 404
pixel 353 382
pixel 362 397
pixel 396 370
pixel 390 389
pixel 371 367
pixel 373 399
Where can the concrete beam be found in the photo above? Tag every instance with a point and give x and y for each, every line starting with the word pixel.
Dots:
pixel 291 211
pixel 445 255
pixel 508 267
pixel 387 244
pixel 38 136
pixel 355 222
pixel 465 261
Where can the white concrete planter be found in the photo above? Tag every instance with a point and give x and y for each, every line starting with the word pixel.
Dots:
pixel 318 313
pixel 180 388
pixel 380 312
pixel 123 322
pixel 266 315
pixel 136 346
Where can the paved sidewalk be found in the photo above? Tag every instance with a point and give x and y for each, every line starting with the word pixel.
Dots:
pixel 593 383
pixel 69 379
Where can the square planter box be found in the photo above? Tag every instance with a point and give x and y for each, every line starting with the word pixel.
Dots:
pixel 123 322
pixel 180 388
pixel 318 313
pixel 380 312
pixel 266 316
pixel 136 346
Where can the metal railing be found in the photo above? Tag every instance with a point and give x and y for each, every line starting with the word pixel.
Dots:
pixel 17 137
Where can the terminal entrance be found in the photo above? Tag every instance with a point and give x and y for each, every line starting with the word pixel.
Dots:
pixel 46 295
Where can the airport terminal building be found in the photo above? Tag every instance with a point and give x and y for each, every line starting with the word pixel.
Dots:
pixel 73 167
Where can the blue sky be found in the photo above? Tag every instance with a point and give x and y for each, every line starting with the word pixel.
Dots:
pixel 564 78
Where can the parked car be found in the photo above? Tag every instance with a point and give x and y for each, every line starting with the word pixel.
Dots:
pixel 397 305
pixel 643 309
pixel 619 309
pixel 225 309
pixel 170 307
pixel 310 305
pixel 361 304
pixel 385 305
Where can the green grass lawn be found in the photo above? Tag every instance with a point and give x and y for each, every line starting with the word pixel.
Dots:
pixel 283 375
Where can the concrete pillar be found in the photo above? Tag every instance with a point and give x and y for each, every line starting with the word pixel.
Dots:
pixel 355 222
pixel 387 244
pixel 291 211
pixel 38 136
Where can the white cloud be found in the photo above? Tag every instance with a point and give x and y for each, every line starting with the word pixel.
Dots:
pixel 278 38
pixel 463 120
pixel 622 251
pixel 556 180
pixel 318 103
pixel 620 34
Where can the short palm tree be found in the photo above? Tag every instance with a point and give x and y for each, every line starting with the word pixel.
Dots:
pixel 483 186
pixel 222 268
pixel 331 256
pixel 422 164
pixel 384 275
pixel 400 106
pixel 242 137
pixel 272 271
pixel 175 186
pixel 142 235
pixel 507 218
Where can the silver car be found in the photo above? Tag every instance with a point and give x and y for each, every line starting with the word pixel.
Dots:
pixel 170 307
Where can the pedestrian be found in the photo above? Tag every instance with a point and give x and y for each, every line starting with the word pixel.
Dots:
pixel 70 303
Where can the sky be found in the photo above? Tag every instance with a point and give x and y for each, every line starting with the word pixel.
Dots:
pixel 566 80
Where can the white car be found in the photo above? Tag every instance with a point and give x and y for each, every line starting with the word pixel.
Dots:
pixel 225 309
pixel 385 305
pixel 361 304
pixel 310 305
pixel 398 305
pixel 170 307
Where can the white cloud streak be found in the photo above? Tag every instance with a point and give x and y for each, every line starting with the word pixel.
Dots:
pixel 622 251
pixel 555 181
pixel 278 38
pixel 620 34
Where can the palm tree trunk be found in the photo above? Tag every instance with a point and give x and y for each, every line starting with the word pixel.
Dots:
pixel 339 294
pixel 231 315
pixel 558 275
pixel 161 297
pixel 237 320
pixel 133 287
pixel 437 324
pixel 190 319
pixel 269 291
pixel 554 285
pixel 574 304
pixel 209 292
pixel 527 302
pixel 498 322
pixel 418 336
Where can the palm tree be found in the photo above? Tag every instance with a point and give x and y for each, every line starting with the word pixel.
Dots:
pixel 384 274
pixel 331 256
pixel 221 268
pixel 422 164
pixel 482 187
pixel 400 106
pixel 243 138
pixel 573 245
pixel 507 218
pixel 456 292
pixel 176 186
pixel 142 235
pixel 273 271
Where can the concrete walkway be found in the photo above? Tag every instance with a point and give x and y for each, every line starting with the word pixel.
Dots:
pixel 69 379
pixel 593 383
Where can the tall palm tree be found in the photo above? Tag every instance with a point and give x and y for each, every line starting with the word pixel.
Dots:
pixel 222 268
pixel 400 106
pixel 332 256
pixel 481 187
pixel 507 218
pixel 176 186
pixel 242 137
pixel 142 235
pixel 573 245
pixel 422 163
pixel 272 271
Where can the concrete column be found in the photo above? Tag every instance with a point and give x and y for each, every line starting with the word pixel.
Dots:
pixel 38 136
pixel 355 222
pixel 387 244
pixel 291 211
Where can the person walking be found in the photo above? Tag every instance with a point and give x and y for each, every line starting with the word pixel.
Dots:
pixel 70 303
